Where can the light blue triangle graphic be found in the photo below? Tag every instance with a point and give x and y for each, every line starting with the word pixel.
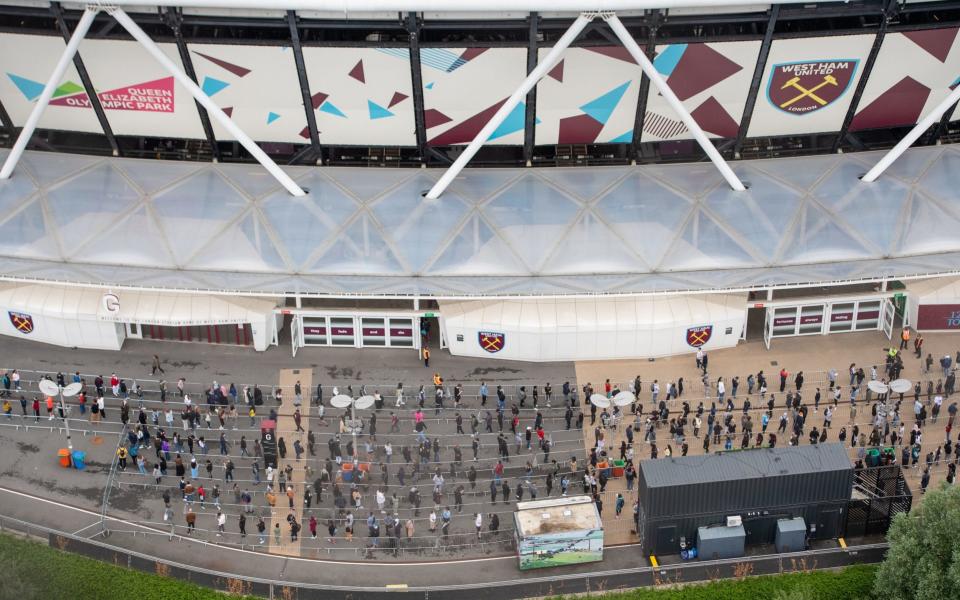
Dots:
pixel 212 86
pixel 429 86
pixel 29 88
pixel 625 138
pixel 666 61
pixel 271 117
pixel 513 122
pixel 601 108
pixel 327 107
pixel 377 111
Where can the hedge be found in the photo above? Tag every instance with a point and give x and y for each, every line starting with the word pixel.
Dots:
pixel 35 571
pixel 851 583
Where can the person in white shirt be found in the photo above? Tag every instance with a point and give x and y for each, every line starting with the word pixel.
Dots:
pixel 479 523
pixel 221 522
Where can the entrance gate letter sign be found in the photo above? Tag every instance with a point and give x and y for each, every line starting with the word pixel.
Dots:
pixel 491 341
pixel 22 322
pixel 698 336
pixel 799 88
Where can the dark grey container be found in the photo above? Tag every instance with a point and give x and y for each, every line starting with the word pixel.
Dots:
pixel 678 495
pixel 721 542
pixel 791 535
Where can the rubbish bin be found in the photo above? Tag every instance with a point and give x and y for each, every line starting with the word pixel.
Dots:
pixel 64 455
pixel 79 459
pixel 618 467
pixel 348 472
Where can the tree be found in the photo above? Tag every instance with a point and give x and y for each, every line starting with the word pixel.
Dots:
pixel 924 557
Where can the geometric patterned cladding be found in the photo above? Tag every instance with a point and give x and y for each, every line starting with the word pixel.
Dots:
pixel 914 72
pixel 464 87
pixel 589 97
pixel 808 84
pixel 494 232
pixel 139 96
pixel 26 62
pixel 711 80
pixel 256 85
pixel 361 96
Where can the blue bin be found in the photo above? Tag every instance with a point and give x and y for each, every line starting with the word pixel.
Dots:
pixel 348 476
pixel 79 457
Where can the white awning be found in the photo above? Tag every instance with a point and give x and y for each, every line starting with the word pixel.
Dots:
pixel 177 310
pixel 147 308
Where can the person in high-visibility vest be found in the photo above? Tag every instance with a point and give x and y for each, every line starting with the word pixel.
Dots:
pixel 426 357
pixel 437 380
pixel 904 337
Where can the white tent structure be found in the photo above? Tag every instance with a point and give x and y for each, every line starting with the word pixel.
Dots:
pixel 594 328
pixel 934 304
pixel 86 318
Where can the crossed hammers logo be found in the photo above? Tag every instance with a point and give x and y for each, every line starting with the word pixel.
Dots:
pixel 807 93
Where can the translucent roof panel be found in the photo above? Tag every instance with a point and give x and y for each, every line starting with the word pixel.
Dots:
pixel 15 192
pixel 360 248
pixel 304 223
pixel 533 217
pixel 583 230
pixel 418 226
pixel 762 214
pixel 85 205
pixel 190 223
pixel 477 250
pixel 24 234
pixel 704 243
pixel 816 237
pixel 645 213
pixel 135 239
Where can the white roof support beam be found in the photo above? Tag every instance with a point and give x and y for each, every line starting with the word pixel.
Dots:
pixel 925 123
pixel 543 67
pixel 648 69
pixel 548 62
pixel 140 35
pixel 55 78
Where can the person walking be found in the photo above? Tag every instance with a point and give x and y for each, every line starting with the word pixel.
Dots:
pixel 156 366
pixel 426 357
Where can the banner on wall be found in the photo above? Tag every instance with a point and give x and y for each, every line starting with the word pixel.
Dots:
pixel 808 84
pixel 914 71
pixel 150 96
pixel 938 316
pixel 464 87
pixel 711 80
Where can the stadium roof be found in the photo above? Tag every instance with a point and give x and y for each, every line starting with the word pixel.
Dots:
pixel 496 232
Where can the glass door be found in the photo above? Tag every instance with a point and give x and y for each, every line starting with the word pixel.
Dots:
pixel 889 312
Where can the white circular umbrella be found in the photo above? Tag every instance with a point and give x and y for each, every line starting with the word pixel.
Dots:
pixel 73 389
pixel 901 386
pixel 624 398
pixel 877 387
pixel 341 401
pixel 600 401
pixel 48 387
pixel 364 402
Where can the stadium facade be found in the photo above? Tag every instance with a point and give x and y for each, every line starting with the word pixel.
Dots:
pixel 590 224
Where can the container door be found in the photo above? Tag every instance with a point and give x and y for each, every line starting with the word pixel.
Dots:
pixel 667 540
pixel 889 313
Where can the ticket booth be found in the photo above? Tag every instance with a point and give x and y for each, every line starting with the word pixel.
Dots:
pixel 355 330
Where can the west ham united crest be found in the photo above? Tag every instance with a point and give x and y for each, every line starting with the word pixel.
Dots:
pixel 22 322
pixel 799 88
pixel 491 341
pixel 698 336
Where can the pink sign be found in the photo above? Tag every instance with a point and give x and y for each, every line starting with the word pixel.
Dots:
pixel 836 317
pixel 811 319
pixel 150 96
pixel 784 321
pixel 314 330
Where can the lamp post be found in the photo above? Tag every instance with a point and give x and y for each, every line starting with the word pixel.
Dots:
pixel 362 403
pixel 50 388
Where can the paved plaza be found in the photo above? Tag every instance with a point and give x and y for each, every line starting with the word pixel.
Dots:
pixel 401 511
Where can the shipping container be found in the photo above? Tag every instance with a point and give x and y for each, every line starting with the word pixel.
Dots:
pixel 678 495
